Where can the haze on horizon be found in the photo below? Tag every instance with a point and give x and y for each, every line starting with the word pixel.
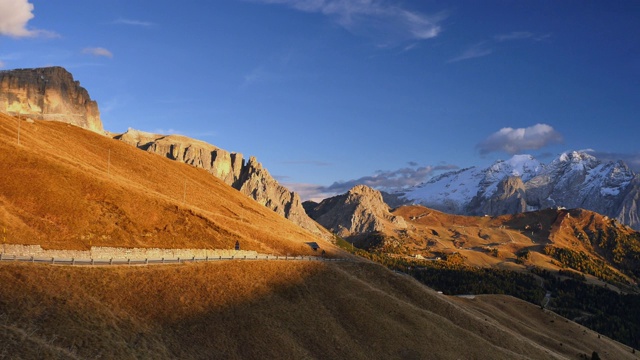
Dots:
pixel 332 92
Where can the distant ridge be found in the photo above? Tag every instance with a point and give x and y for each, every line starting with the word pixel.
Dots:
pixel 575 179
pixel 363 219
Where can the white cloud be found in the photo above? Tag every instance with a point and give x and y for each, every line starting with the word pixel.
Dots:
pixel 514 35
pixel 377 19
pixel 513 141
pixel 386 180
pixel 254 76
pixel 311 192
pixel 520 35
pixel 2 64
pixel 14 16
pixel 97 51
pixel 474 51
pixel 631 159
pixel 133 22
pixel 410 47
pixel 485 48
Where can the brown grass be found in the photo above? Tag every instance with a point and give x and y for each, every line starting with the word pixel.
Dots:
pixel 55 191
pixel 474 236
pixel 66 187
pixel 242 310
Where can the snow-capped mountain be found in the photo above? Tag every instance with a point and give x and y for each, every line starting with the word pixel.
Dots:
pixel 574 180
pixel 579 180
pixel 453 191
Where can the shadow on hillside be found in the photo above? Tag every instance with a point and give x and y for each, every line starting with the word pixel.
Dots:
pixel 247 310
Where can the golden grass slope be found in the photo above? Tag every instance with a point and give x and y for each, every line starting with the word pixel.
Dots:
pixel 496 241
pixel 68 188
pixel 269 310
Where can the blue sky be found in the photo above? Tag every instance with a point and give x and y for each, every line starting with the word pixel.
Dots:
pixel 329 93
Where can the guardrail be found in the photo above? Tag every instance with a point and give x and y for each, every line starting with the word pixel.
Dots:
pixel 155 261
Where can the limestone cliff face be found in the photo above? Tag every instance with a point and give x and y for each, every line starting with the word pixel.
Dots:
pixel 256 182
pixel 359 211
pixel 249 178
pixel 221 163
pixel 509 198
pixel 627 211
pixel 48 93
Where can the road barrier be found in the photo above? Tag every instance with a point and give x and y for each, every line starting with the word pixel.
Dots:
pixel 152 261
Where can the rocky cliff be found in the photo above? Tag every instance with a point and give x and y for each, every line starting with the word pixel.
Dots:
pixel 48 93
pixel 509 198
pixel 250 177
pixel 360 211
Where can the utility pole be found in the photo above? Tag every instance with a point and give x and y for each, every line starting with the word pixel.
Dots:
pixel 18 117
pixel 184 193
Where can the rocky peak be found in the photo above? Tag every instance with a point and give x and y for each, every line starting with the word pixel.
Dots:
pixel 576 157
pixel 359 211
pixel 48 93
pixel 363 193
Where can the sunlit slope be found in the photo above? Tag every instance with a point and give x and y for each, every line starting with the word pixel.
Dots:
pixel 66 187
pixel 583 240
pixel 267 310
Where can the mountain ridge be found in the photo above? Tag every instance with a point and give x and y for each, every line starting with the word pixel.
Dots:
pixel 574 179
pixel 51 93
pixel 414 230
pixel 97 191
pixel 248 177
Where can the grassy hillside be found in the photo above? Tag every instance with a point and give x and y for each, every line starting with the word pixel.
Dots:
pixel 66 187
pixel 258 310
pixel 599 247
pixel 586 263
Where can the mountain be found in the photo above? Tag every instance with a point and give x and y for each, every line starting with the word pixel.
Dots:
pixel 64 187
pixel 52 94
pixel 48 93
pixel 360 211
pixel 576 257
pixel 453 191
pixel 249 177
pixel 361 217
pixel 574 180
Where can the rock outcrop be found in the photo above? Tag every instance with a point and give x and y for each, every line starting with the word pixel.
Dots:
pixel 360 211
pixel 250 177
pixel 509 198
pixel 48 93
